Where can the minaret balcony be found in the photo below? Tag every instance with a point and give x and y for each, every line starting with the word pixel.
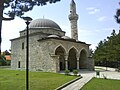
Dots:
pixel 73 17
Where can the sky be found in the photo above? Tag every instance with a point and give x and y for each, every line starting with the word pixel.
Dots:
pixel 96 20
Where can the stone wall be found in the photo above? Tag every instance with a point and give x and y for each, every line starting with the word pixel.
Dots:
pixel 17 53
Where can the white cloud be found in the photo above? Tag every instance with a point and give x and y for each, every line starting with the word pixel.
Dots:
pixel 103 18
pixel 92 10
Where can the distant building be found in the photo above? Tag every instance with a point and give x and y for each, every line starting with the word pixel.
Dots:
pixel 50 50
pixel 7 57
pixel 6 54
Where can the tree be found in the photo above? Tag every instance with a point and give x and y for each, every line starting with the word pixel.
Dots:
pixel 108 49
pixel 3 61
pixel 91 52
pixel 117 16
pixel 18 8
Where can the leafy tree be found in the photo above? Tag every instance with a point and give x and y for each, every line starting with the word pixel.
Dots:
pixel 108 49
pixel 91 53
pixel 117 16
pixel 18 8
pixel 3 60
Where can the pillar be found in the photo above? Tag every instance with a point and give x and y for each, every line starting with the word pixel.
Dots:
pixel 78 63
pixel 66 62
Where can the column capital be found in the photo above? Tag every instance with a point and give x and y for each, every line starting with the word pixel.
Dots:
pixel 77 58
pixel 66 57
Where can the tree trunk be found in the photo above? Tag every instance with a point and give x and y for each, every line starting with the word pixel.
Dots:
pixel 1 16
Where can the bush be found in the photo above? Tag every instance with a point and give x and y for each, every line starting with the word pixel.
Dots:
pixel 67 72
pixel 2 62
pixel 75 72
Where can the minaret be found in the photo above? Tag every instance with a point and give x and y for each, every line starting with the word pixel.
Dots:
pixel 73 17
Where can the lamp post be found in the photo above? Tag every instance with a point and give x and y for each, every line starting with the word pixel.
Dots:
pixel 27 21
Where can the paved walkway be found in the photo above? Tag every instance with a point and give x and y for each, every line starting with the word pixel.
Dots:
pixel 110 73
pixel 88 75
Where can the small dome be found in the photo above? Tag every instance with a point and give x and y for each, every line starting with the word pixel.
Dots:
pixel 53 36
pixel 44 23
pixel 65 37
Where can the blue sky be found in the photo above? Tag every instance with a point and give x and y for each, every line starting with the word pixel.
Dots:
pixel 96 20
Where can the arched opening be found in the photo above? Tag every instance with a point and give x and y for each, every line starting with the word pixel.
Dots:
pixel 72 60
pixel 61 52
pixel 83 60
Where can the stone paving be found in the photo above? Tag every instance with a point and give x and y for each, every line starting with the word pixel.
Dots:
pixel 88 75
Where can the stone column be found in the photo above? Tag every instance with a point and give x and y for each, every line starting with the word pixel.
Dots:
pixel 78 63
pixel 66 62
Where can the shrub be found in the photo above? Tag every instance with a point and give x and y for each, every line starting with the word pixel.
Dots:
pixel 75 72
pixel 67 72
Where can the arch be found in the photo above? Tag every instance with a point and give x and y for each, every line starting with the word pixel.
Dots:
pixel 83 49
pixel 83 59
pixel 72 59
pixel 61 52
pixel 73 48
pixel 61 47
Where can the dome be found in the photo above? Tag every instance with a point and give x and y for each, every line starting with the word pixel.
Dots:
pixel 55 36
pixel 65 37
pixel 44 23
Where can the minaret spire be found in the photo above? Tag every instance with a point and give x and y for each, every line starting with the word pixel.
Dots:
pixel 73 17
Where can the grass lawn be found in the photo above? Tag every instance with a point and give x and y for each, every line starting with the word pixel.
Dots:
pixel 102 84
pixel 15 80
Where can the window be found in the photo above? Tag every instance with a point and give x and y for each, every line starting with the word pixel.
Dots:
pixel 23 45
pixel 18 64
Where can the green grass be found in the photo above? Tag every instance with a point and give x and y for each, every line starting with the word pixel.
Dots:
pixel 15 80
pixel 102 84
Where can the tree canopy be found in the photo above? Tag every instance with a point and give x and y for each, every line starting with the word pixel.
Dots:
pixel 109 48
pixel 19 7
pixel 117 16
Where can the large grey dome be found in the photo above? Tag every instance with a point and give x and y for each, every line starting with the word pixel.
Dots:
pixel 44 23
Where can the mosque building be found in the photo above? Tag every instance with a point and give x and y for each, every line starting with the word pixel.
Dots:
pixel 49 49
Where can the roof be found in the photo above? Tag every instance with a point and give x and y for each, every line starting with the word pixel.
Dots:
pixel 44 23
pixel 70 40
pixel 8 57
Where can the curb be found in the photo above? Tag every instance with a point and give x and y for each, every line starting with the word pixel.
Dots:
pixel 68 83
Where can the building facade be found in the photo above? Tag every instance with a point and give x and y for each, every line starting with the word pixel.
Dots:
pixel 50 50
